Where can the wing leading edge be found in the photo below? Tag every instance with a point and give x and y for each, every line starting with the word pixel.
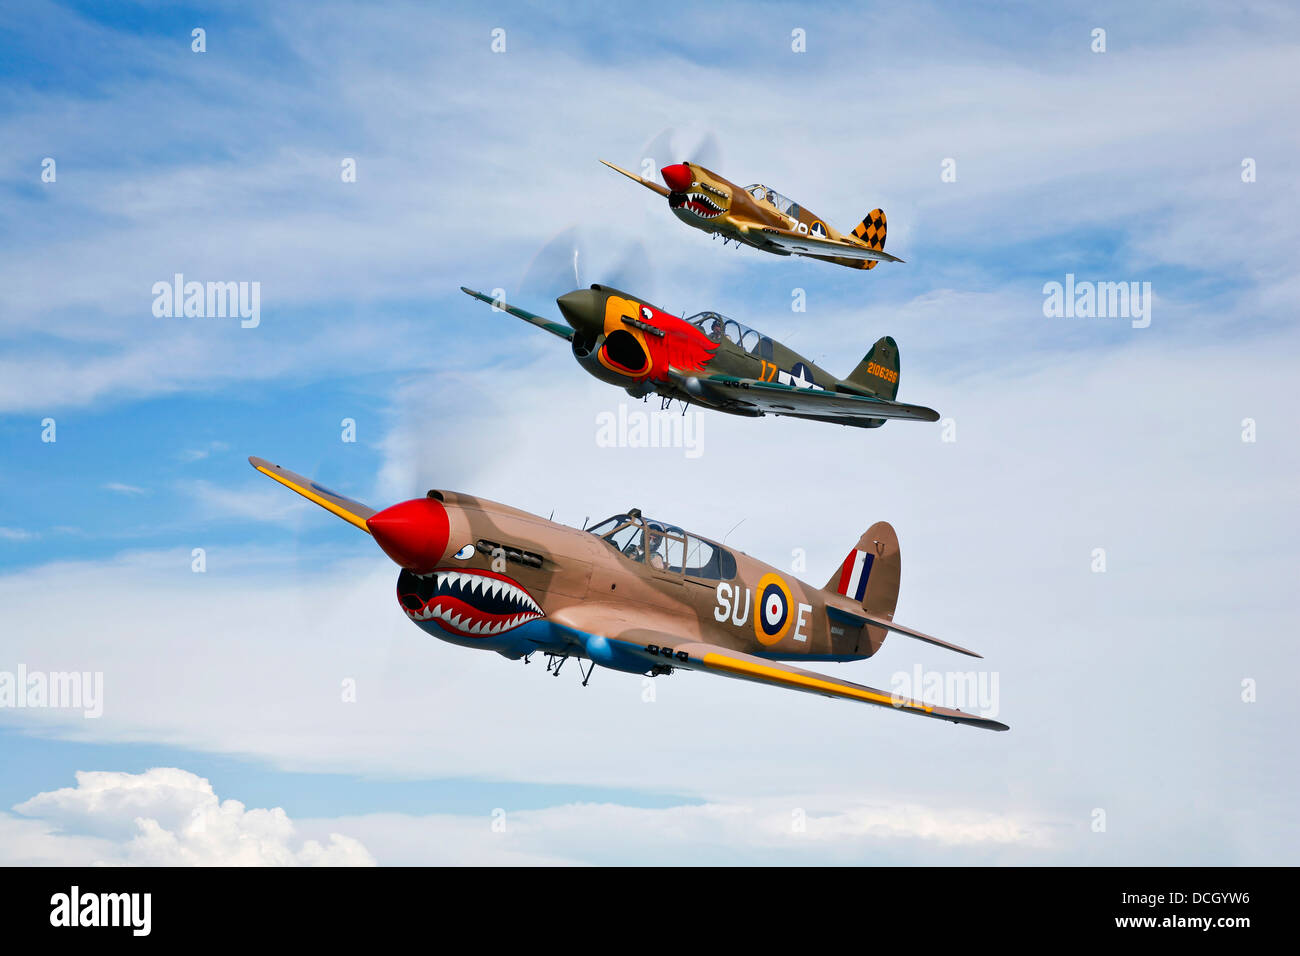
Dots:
pixel 555 328
pixel 353 512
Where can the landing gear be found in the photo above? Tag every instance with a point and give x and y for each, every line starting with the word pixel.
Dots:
pixel 555 661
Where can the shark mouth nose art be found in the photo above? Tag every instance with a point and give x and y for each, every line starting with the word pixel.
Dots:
pixel 699 204
pixel 466 603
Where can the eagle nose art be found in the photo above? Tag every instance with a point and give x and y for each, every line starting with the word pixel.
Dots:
pixel 678 177
pixel 413 533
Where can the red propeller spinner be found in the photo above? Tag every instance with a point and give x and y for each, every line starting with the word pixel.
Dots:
pixel 678 177
pixel 413 533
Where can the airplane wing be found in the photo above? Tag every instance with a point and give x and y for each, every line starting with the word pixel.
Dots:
pixel 353 512
pixel 658 647
pixel 779 399
pixel 803 245
pixel 555 328
pixel 661 190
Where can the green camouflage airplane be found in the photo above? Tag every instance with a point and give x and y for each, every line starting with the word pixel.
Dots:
pixel 715 362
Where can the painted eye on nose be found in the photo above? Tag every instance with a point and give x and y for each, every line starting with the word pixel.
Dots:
pixel 646 313
pixel 464 553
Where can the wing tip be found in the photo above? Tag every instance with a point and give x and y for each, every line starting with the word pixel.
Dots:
pixel 973 720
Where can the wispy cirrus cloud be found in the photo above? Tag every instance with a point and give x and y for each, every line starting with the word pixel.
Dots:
pixel 125 489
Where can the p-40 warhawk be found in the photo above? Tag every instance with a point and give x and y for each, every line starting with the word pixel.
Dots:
pixel 763 218
pixel 715 362
pixel 631 594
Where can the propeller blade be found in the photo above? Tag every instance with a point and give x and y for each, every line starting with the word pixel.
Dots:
pixel 556 268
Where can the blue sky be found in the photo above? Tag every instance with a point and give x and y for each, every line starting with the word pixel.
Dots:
pixel 479 168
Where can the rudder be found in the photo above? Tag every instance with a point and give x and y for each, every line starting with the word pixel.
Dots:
pixel 871 230
pixel 870 574
pixel 877 373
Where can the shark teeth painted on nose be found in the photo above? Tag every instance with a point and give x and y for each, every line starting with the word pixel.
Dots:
pixel 469 603
pixel 702 206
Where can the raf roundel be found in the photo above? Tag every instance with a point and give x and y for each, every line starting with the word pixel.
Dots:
pixel 773 618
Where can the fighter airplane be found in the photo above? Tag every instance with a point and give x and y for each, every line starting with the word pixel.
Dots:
pixel 715 362
pixel 632 594
pixel 761 217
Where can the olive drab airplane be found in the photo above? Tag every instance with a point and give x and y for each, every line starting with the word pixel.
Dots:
pixel 761 217
pixel 715 362
pixel 631 594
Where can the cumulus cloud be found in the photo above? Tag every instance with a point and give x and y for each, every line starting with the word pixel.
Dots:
pixel 162 817
pixel 170 817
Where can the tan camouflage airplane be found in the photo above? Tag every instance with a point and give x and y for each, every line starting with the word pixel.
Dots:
pixel 763 218
pixel 631 594
pixel 715 362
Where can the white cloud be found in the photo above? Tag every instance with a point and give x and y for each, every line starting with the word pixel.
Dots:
pixel 170 817
pixel 162 817
pixel 794 829
pixel 191 455
pixel 123 489
pixel 260 501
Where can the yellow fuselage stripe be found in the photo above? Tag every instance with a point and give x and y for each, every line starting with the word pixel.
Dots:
pixel 311 496
pixel 722 662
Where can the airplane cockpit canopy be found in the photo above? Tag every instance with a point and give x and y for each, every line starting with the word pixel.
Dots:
pixel 715 326
pixel 762 193
pixel 665 547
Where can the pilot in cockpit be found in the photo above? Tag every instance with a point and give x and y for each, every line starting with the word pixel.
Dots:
pixel 715 330
pixel 649 548
pixel 654 548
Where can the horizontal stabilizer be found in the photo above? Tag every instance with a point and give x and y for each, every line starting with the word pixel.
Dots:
pixel 862 617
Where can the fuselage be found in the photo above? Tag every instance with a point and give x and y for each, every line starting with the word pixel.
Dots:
pixel 515 583
pixel 629 342
pixel 714 204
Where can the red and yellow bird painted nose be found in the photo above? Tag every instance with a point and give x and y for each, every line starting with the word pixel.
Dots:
pixel 413 533
pixel 678 177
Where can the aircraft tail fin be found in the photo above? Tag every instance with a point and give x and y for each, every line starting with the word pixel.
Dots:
pixel 871 572
pixel 870 575
pixel 871 230
pixel 877 373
